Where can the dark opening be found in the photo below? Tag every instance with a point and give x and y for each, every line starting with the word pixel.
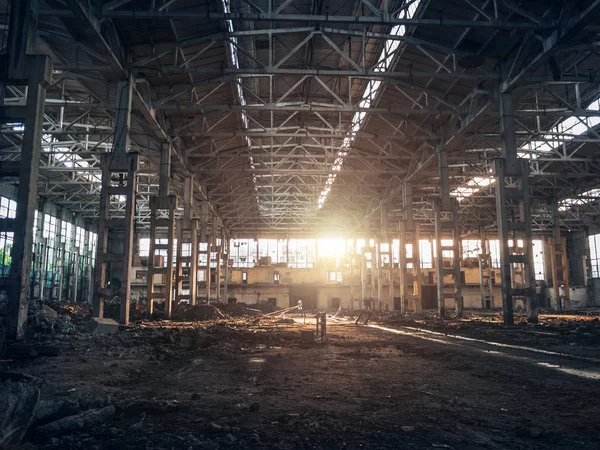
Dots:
pixel 335 302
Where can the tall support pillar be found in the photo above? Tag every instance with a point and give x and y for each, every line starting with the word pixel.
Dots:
pixel 409 234
pixel 37 76
pixel 560 268
pixel 206 238
pixel 162 235
pixel 225 246
pixel 115 234
pixel 446 228
pixel 514 217
pixel 485 272
pixel 186 268
pixel 219 252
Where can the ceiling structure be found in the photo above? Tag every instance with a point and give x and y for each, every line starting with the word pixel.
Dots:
pixel 308 116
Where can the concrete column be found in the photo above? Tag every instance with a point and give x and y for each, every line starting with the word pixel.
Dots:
pixel 125 163
pixel 514 202
pixel 75 262
pixel 219 254
pixel 162 226
pixel 61 258
pixel 404 294
pixel 208 252
pixel 439 261
pixel 379 271
pixel 225 244
pixel 560 268
pixel 485 270
pixel 417 295
pixel 194 263
pixel 35 71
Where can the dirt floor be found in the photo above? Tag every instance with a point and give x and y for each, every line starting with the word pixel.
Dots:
pixel 251 382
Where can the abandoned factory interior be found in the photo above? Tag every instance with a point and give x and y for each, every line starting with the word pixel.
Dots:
pixel 299 224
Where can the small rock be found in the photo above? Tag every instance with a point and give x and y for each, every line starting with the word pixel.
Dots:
pixel 54 441
pixel 230 438
pixel 254 407
pixel 195 396
pixel 215 427
pixel 102 326
pixel 255 438
pixel 407 428
pixel 186 342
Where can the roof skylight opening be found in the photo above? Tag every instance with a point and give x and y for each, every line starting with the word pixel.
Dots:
pixel 582 199
pixel 240 91
pixel 562 133
pixel 571 127
pixel 384 62
pixel 473 186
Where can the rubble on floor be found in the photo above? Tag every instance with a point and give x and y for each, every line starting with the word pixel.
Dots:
pixel 240 379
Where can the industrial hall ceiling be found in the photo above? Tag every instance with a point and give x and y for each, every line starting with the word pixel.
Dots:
pixel 311 116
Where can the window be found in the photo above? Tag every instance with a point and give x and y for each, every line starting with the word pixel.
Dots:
pixel 144 247
pixel 331 249
pixel 49 229
pixel 538 259
pixel 243 252
pixel 335 276
pixel 396 252
pixel 6 243
pixel 302 253
pixel 273 248
pixel 35 224
pixel 93 243
pixel 495 253
pixel 79 237
pixel 8 208
pixel 276 278
pixel 594 241
pixel 426 256
pixel 471 248
pixel 65 234
pixel 245 277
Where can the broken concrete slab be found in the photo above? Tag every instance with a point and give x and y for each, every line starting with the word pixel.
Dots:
pixel 52 410
pixel 103 326
pixel 76 422
pixel 17 406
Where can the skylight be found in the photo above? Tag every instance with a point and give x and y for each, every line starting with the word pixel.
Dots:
pixel 235 62
pixel 384 62
pixel 582 199
pixel 474 185
pixel 568 129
